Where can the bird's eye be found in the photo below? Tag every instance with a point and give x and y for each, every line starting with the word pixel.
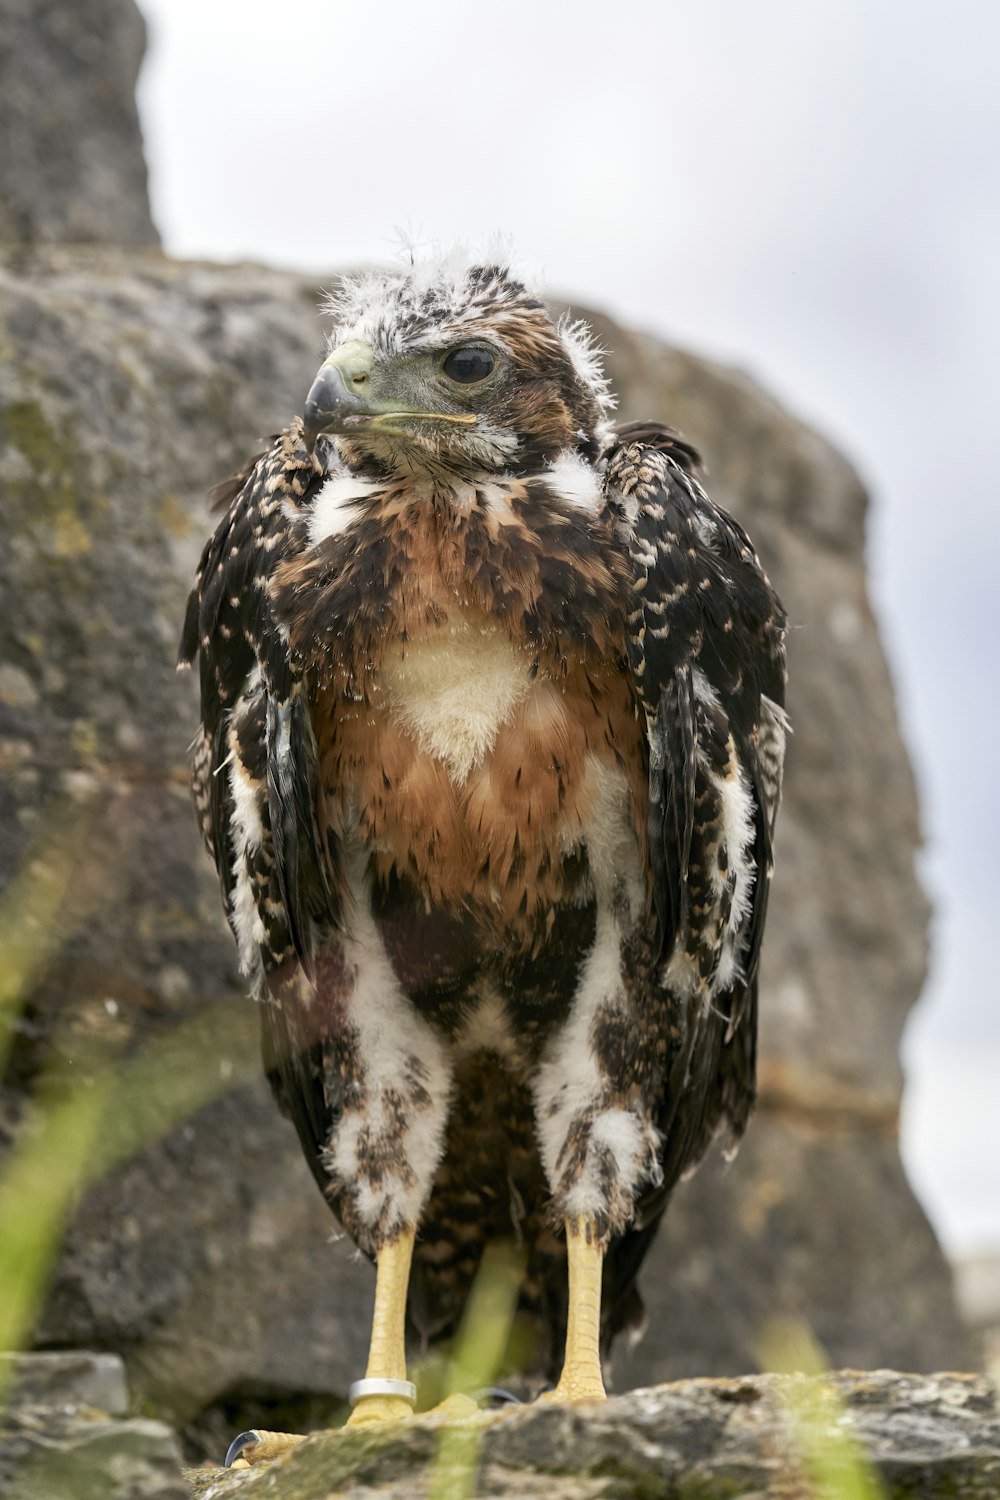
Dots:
pixel 468 366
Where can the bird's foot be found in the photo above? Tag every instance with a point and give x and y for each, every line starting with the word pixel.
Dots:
pixel 370 1410
pixel 386 1409
pixel 581 1384
pixel 258 1447
pixel 457 1408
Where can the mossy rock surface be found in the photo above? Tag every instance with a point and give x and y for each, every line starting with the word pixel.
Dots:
pixel 916 1438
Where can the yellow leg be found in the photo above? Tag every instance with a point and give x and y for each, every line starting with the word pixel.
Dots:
pixel 387 1350
pixel 386 1359
pixel 581 1378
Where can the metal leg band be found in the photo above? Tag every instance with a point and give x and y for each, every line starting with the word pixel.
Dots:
pixel 373 1387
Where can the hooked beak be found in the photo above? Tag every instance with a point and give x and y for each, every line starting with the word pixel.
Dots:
pixel 340 400
pixel 339 391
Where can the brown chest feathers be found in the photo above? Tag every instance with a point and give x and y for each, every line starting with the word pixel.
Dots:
pixel 464 670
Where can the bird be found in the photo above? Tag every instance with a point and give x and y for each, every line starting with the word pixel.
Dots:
pixel 489 761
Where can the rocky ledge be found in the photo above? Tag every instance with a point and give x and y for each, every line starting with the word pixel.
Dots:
pixel 857 1436
pixel 66 1435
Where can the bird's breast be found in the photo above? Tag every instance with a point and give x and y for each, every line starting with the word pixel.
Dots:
pixel 453 691
pixel 468 767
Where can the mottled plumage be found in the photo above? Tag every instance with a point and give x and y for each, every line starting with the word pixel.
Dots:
pixel 489 763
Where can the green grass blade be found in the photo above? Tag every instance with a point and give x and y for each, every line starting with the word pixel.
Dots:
pixel 831 1457
pixel 481 1345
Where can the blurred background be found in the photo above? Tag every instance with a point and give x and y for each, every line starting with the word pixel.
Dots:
pixel 784 220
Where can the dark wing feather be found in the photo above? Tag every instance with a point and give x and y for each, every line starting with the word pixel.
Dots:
pixel 297 1075
pixel 222 495
pixel 706 656
pixel 670 820
pixel 301 863
pixel 256 732
pixel 220 626
pixel 658 435
pixel 254 724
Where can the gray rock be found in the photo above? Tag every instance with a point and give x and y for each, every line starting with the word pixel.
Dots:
pixel 131 384
pixel 58 1439
pixel 63 1458
pixel 67 1379
pixel 807 1223
pixel 72 167
pixel 768 1438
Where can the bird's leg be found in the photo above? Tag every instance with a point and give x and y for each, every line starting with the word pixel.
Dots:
pixel 387 1350
pixel 581 1378
pixel 386 1359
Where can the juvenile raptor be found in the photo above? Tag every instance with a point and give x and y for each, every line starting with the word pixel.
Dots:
pixel 490 757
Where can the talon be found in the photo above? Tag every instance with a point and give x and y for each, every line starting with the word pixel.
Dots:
pixel 257 1447
pixel 245 1440
pixel 492 1396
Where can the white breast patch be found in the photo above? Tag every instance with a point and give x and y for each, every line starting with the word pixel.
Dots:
pixel 455 690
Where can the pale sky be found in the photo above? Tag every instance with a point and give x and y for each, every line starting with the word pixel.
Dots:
pixel 809 190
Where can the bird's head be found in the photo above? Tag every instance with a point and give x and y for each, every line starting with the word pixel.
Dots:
pixel 456 368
